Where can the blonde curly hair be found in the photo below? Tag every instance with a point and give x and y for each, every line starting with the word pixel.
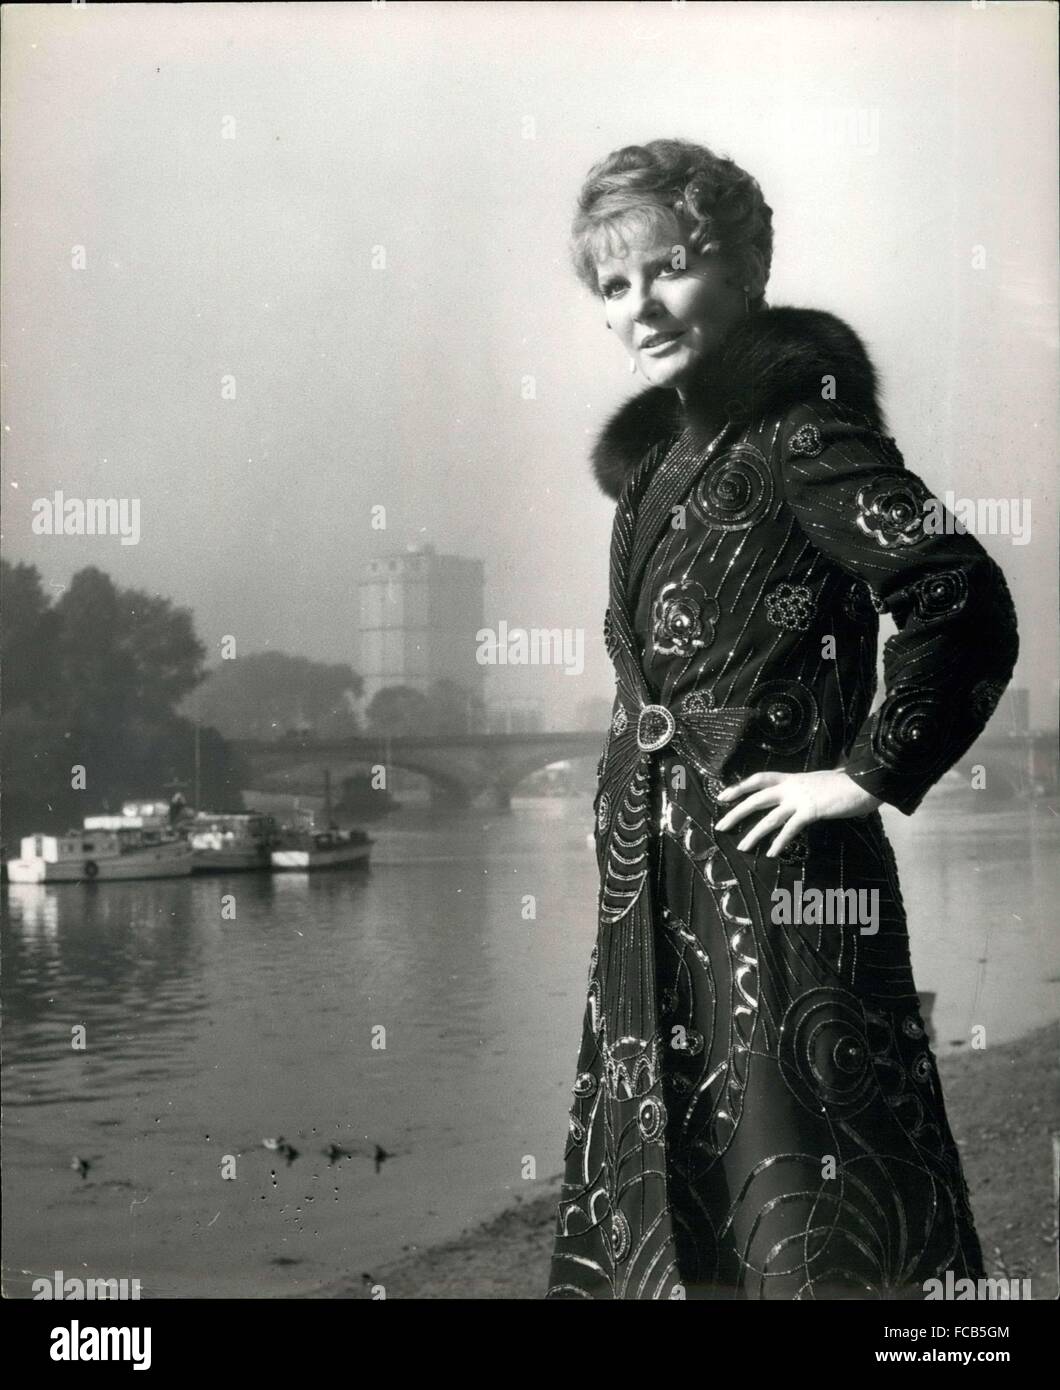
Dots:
pixel 671 184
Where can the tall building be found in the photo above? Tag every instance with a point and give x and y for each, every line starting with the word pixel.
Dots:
pixel 419 613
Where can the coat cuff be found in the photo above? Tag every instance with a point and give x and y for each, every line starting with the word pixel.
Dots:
pixel 887 786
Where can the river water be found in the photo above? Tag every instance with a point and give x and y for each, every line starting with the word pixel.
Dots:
pixel 424 1005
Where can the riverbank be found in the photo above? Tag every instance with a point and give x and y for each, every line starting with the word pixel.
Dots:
pixel 1003 1105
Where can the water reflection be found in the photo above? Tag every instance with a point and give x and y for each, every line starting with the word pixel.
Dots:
pixel 431 1004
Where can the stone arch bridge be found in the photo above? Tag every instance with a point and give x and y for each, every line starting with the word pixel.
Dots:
pixel 464 768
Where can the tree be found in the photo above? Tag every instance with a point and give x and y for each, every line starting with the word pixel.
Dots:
pixel 27 641
pixel 130 650
pixel 91 682
pixel 399 710
pixel 455 709
pixel 268 694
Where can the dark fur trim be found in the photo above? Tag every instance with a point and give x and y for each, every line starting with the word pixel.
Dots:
pixel 771 361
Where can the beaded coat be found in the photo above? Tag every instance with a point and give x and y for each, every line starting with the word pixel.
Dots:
pixel 757 1111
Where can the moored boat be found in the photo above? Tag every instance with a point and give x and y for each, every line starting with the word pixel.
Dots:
pixel 304 847
pixel 303 850
pixel 101 855
pixel 222 842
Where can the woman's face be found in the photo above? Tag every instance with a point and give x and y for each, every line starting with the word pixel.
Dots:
pixel 669 305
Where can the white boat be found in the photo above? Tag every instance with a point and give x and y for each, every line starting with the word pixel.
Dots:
pixel 135 815
pixel 223 842
pixel 101 855
pixel 302 850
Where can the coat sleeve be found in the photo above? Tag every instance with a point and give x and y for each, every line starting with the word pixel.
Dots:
pixel 954 652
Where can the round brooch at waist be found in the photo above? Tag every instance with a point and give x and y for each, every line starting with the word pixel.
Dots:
pixel 655 728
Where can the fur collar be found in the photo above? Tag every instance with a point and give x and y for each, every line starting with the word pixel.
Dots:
pixel 772 360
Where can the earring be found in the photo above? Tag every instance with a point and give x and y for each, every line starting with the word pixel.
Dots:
pixel 746 299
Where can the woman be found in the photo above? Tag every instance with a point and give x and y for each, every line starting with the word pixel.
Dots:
pixel 757 1112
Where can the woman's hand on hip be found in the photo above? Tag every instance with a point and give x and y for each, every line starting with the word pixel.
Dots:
pixel 792 801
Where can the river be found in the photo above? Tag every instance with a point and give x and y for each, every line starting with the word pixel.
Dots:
pixel 430 1005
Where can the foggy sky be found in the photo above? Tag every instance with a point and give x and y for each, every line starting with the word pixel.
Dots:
pixel 406 127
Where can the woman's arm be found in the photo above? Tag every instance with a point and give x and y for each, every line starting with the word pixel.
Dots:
pixel 955 649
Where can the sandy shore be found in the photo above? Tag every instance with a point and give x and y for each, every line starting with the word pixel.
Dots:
pixel 1003 1104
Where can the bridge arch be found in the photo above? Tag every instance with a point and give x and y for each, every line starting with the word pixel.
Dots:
pixel 461 767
